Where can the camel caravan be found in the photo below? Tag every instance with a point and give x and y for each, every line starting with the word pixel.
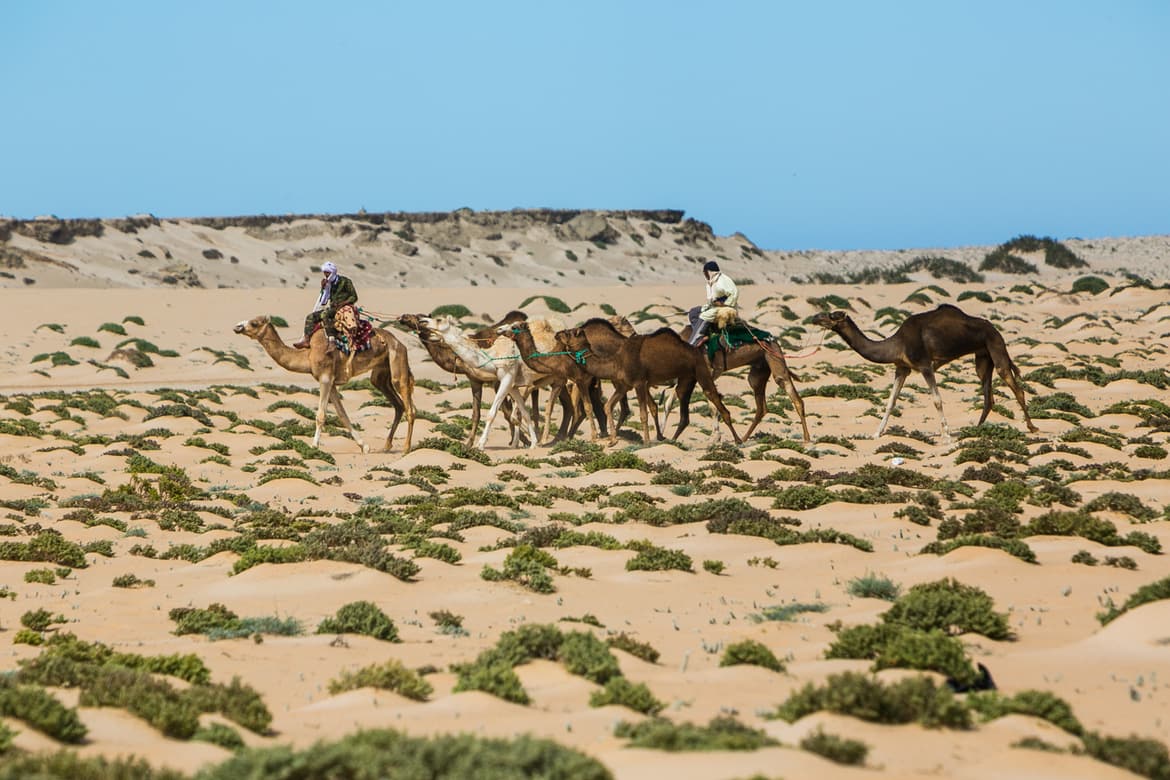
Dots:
pixel 519 356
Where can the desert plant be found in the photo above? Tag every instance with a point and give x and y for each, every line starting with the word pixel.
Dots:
pixel 910 700
pixel 874 586
pixel 643 650
pixel 950 606
pixel 839 750
pixel 584 654
pixel 390 676
pixel 622 692
pixel 753 653
pixel 360 617
pixel 721 733
pixel 1154 591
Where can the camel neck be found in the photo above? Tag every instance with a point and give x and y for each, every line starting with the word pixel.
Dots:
pixel 883 351
pixel 289 358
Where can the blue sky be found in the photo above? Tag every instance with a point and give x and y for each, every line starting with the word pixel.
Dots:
pixel 832 124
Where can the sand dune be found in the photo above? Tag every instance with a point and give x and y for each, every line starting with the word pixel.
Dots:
pixel 73 432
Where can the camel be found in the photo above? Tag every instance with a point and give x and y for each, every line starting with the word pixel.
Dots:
pixel 642 361
pixel 565 369
pixel 925 341
pixel 446 359
pixel 502 359
pixel 764 360
pixel 386 360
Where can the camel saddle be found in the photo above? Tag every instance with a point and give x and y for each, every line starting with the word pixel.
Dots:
pixel 733 335
pixel 354 332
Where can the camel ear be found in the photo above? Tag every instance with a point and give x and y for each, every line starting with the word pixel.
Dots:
pixel 838 316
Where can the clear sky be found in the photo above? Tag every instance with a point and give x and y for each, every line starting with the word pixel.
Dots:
pixel 825 124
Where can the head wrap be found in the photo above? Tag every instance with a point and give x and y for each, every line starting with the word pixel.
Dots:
pixel 710 266
pixel 326 284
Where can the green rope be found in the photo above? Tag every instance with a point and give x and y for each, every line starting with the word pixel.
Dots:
pixel 578 356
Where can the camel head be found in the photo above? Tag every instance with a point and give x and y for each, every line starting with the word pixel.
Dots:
pixel 412 321
pixel 832 320
pixel 572 339
pixel 254 327
pixel 438 328
pixel 509 329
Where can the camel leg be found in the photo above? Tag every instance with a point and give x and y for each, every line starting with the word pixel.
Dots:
pixel 597 404
pixel 476 400
pixel 758 377
pixel 549 405
pixel 335 399
pixel 529 424
pixel 716 400
pixel 380 378
pixel 928 375
pixel 900 375
pixel 1010 375
pixel 983 370
pixel 783 378
pixel 503 391
pixel 644 402
pixel 683 390
pixel 619 393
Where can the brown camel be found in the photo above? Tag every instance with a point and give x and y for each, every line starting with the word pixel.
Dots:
pixel 445 358
pixel 764 360
pixel 386 360
pixel 925 341
pixel 565 369
pixel 641 361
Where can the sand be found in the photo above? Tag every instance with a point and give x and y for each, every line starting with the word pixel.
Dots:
pixel 1113 676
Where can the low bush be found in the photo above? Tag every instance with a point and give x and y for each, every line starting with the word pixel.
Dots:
pixel 721 733
pixel 584 654
pixel 385 753
pixel 390 676
pixel 910 700
pixel 627 643
pixel 839 750
pixel 622 692
pixel 360 617
pixel 1154 591
pixel 752 653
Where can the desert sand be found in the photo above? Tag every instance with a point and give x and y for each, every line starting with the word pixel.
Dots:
pixel 201 405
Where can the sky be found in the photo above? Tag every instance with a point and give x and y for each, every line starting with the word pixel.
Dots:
pixel 826 124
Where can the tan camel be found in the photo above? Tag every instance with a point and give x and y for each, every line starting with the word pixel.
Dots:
pixel 641 361
pixel 925 341
pixel 566 370
pixel 764 360
pixel 386 360
pixel 445 358
pixel 502 359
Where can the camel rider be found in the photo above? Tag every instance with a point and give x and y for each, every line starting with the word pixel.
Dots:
pixel 336 291
pixel 721 291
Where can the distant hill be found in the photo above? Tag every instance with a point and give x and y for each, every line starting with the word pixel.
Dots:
pixel 519 248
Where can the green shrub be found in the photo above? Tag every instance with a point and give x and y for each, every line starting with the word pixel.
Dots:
pixel 219 734
pixel 910 700
pixel 1090 284
pixel 721 733
pixel 653 558
pixel 949 606
pixel 874 586
pixel 586 655
pixel 1142 756
pixel 753 653
pixel 715 567
pixel 68 765
pixel 41 576
pixel 390 754
pixel 839 750
pixel 456 310
pixel 38 708
pixel 627 643
pixel 1039 704
pixel 192 620
pixel 39 619
pixel 1154 591
pixel 622 692
pixel 528 566
pixel 360 617
pixel 390 676
pixel 785 612
pixel 495 677
pixel 1012 547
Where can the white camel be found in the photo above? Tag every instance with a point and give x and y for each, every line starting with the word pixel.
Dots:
pixel 502 359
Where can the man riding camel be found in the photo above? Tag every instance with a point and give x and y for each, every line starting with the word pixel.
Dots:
pixel 721 292
pixel 336 291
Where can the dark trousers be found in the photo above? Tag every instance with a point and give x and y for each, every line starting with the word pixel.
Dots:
pixel 323 316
